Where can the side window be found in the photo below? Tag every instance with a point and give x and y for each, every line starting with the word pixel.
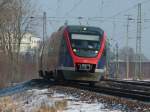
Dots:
pixel 63 46
pixel 104 53
pixel 105 49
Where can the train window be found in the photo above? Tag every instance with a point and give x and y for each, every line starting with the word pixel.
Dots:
pixel 63 46
pixel 63 42
pixel 104 52
pixel 85 45
pixel 85 37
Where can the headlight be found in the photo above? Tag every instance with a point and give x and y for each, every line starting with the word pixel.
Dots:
pixel 74 50
pixel 96 52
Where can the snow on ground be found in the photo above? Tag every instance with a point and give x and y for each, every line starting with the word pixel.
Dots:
pixel 131 79
pixel 32 100
pixel 86 107
pixel 35 100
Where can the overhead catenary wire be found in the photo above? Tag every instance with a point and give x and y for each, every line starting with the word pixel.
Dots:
pixel 107 19
pixel 90 18
pixel 73 8
pixel 96 18
pixel 130 8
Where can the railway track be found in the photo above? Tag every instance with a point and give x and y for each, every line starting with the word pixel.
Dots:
pixel 115 89
pixel 128 85
pixel 140 83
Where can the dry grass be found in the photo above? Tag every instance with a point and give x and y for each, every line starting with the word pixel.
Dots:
pixel 7 105
pixel 47 109
pixel 25 70
pixel 2 84
pixel 58 107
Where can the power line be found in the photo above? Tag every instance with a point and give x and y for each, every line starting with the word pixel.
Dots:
pixel 86 18
pixel 54 18
pixel 74 7
pixel 126 10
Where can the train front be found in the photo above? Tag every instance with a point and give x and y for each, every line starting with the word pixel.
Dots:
pixel 86 46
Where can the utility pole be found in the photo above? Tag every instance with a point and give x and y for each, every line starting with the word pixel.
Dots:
pixel 43 41
pixel 44 27
pixel 127 55
pixel 117 61
pixel 127 45
pixel 138 71
pixel 107 58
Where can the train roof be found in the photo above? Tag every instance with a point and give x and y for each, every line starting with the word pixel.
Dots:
pixel 82 28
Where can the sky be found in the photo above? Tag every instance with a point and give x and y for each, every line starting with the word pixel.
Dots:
pixel 110 15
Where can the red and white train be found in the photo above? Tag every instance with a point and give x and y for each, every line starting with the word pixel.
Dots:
pixel 75 53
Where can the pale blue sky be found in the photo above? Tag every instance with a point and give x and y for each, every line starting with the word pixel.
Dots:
pixel 72 9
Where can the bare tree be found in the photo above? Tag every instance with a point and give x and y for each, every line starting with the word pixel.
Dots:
pixel 131 53
pixel 14 24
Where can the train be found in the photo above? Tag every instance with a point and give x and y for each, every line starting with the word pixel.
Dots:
pixel 75 52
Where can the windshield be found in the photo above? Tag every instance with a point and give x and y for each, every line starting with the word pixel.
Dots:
pixel 85 45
